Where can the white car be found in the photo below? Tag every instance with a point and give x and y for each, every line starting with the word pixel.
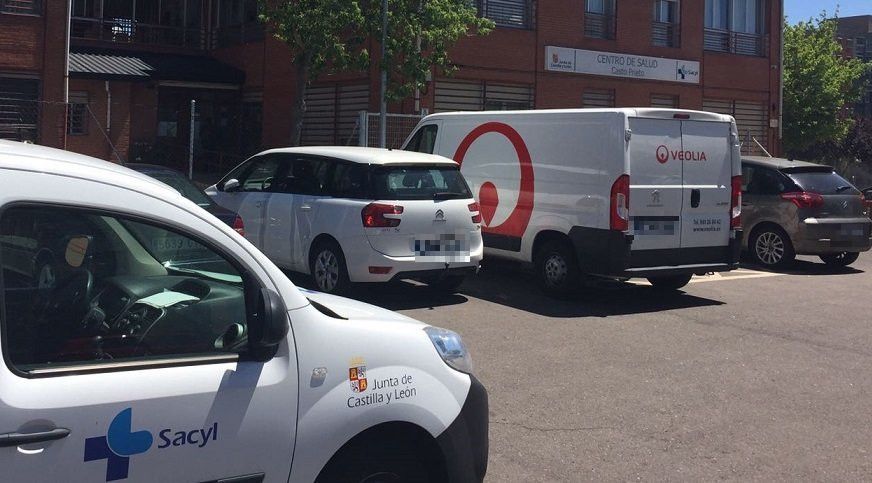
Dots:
pixel 622 193
pixel 165 347
pixel 349 214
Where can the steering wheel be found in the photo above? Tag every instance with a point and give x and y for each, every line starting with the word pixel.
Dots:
pixel 71 297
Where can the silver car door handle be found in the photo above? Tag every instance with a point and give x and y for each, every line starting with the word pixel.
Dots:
pixel 305 207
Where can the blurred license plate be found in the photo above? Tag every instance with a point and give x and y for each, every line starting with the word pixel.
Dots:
pixel 852 230
pixel 441 248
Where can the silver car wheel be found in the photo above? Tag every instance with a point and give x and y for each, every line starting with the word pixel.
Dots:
pixel 326 271
pixel 556 269
pixel 769 248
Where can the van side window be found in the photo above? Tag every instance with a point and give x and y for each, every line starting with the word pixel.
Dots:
pixel 424 141
pixel 259 175
pixel 349 181
pixel 97 288
pixel 302 175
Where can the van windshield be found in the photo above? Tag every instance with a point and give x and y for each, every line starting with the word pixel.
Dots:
pixel 822 182
pixel 419 182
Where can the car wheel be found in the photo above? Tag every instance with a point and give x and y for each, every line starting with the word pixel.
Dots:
pixel 771 247
pixel 328 269
pixel 375 464
pixel 557 268
pixel 448 284
pixel 673 282
pixel 842 259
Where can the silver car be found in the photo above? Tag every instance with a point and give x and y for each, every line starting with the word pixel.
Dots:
pixel 794 208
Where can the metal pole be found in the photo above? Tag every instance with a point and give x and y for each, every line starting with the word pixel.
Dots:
pixel 383 105
pixel 191 141
pixel 67 70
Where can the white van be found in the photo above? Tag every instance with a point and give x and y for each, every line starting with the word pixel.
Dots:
pixel 616 192
pixel 143 339
pixel 354 214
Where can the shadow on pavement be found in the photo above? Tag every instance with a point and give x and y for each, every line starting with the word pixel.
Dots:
pixel 804 267
pixel 512 287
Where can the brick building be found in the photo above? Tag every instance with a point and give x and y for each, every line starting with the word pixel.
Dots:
pixel 855 34
pixel 135 67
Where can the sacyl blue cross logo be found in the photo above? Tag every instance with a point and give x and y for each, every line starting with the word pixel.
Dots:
pixel 119 444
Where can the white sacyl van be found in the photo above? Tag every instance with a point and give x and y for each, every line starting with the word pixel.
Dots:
pixel 616 192
pixel 143 339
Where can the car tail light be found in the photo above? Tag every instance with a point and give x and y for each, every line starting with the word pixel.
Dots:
pixel 475 209
pixel 380 215
pixel 736 202
pixel 804 199
pixel 239 225
pixel 619 209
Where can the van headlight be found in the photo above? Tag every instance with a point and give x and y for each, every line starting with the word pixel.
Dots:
pixel 450 347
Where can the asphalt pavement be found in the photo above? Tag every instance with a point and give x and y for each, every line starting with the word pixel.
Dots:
pixel 745 375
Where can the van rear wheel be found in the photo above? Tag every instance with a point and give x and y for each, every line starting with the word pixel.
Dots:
pixel 557 268
pixel 842 259
pixel 673 282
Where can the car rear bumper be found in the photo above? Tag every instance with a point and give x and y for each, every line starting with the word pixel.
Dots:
pixel 827 235
pixel 464 443
pixel 406 267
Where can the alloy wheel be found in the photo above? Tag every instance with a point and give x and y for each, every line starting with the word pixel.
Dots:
pixel 326 271
pixel 769 248
pixel 382 477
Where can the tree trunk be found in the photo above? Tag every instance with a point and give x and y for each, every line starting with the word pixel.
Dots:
pixel 299 109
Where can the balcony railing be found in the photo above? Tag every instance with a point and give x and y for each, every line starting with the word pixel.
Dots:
pixel 30 7
pixel 599 26
pixel 126 30
pixel 237 34
pixel 735 42
pixel 508 13
pixel 666 34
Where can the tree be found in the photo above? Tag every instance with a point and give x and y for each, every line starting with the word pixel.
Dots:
pixel 332 34
pixel 819 84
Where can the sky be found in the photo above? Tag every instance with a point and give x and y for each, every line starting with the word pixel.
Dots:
pixel 803 9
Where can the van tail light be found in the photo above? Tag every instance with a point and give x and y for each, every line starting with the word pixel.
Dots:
pixel 475 209
pixel 380 215
pixel 804 199
pixel 239 225
pixel 619 209
pixel 735 202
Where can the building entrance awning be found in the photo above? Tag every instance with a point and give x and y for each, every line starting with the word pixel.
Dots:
pixel 134 66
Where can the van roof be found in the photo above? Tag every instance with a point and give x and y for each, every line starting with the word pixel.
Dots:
pixel 357 154
pixel 648 112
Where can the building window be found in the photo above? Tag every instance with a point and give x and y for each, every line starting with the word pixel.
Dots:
pixel 236 22
pixel 28 7
pixel 252 123
pixel 162 22
pixel 598 98
pixel 752 121
pixel 665 101
pixel 459 95
pixel 860 49
pixel 508 13
pixel 599 19
pixel 735 26
pixel 77 114
pixel 666 27
pixel 19 109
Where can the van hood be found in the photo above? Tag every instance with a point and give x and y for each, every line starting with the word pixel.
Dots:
pixel 353 309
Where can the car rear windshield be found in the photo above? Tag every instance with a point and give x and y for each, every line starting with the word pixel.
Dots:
pixel 183 186
pixel 822 182
pixel 419 183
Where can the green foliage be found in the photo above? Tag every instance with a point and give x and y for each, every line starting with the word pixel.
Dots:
pixel 437 24
pixel 819 84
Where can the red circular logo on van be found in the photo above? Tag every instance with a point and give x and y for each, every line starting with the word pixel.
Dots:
pixel 662 153
pixel 519 218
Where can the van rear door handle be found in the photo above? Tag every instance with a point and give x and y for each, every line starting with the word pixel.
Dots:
pixel 694 198
pixel 18 439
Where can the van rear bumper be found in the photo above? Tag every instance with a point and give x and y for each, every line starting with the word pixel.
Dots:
pixel 600 251
pixel 679 261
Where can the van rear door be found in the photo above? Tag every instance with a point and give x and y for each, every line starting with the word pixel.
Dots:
pixel 656 191
pixel 707 162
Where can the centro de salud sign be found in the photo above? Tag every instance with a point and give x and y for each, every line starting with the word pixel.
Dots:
pixel 632 66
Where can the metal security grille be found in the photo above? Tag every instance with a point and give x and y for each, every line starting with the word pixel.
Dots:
pixel 32 7
pixel 664 100
pixel 598 98
pixel 507 13
pixel 19 110
pixel 454 95
pixel 77 114
pixel 331 114
pixel 752 121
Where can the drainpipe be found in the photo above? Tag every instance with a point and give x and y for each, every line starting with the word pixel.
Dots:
pixel 108 110
pixel 781 84
pixel 67 69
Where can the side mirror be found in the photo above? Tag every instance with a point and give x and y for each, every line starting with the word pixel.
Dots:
pixel 271 325
pixel 230 185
